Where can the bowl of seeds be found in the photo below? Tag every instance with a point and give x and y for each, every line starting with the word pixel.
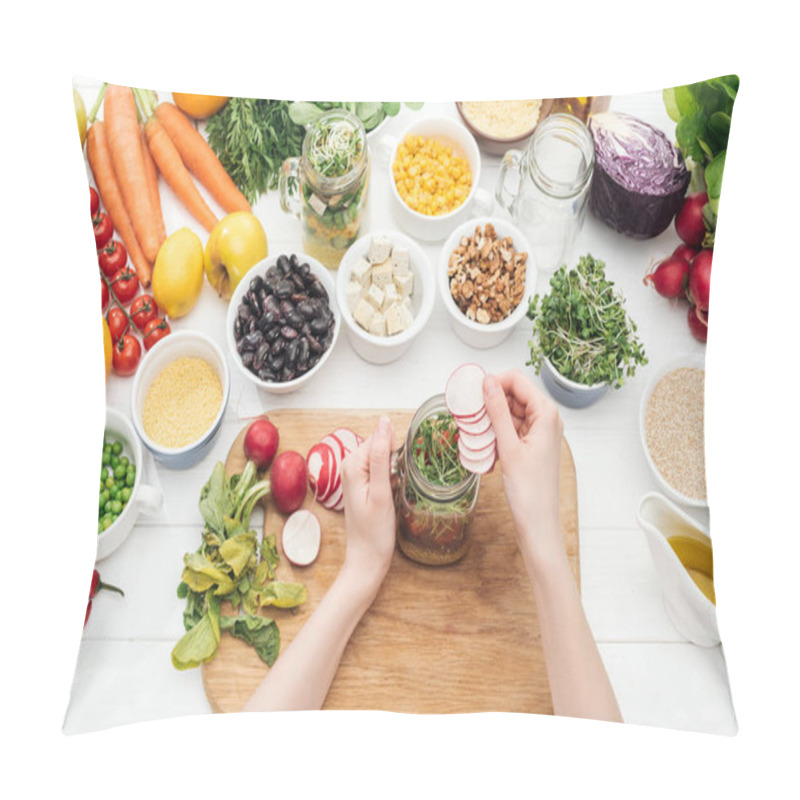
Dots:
pixel 671 425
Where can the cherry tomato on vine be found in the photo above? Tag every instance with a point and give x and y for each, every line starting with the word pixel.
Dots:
pixel 103 229
pixel 154 331
pixel 94 200
pixel 112 258
pixel 117 322
pixel 125 284
pixel 104 291
pixel 142 310
pixel 127 352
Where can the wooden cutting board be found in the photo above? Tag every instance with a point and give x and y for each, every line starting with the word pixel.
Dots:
pixel 454 639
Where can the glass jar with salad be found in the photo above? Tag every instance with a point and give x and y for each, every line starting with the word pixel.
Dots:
pixel 327 186
pixel 435 497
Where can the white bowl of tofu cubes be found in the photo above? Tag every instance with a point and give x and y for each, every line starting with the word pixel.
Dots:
pixel 385 290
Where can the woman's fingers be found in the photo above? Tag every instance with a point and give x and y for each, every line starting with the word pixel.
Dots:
pixel 380 462
pixel 499 415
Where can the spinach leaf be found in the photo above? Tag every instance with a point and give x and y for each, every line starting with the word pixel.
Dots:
pixel 259 632
pixel 215 499
pixel 199 643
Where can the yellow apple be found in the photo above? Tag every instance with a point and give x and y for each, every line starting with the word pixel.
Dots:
pixel 80 115
pixel 237 243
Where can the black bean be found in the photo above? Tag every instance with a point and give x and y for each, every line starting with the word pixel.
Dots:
pixel 266 374
pixel 305 270
pixel 288 332
pixel 273 333
pixel 302 351
pixel 287 374
pixel 291 352
pixel 247 359
pixel 313 344
pixel 273 273
pixel 283 265
pixel 284 289
pixel 287 307
pixel 295 320
pixel 307 308
pixel 252 340
pixel 275 363
pixel 316 289
pixel 238 330
pixel 277 346
pixel 294 261
pixel 257 283
pixel 297 280
pixel 318 326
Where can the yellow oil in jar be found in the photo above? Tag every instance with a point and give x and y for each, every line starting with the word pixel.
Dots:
pixel 698 560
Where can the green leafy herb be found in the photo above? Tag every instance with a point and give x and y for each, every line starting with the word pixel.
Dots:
pixel 371 114
pixel 252 138
pixel 582 327
pixel 435 451
pixel 335 147
pixel 226 566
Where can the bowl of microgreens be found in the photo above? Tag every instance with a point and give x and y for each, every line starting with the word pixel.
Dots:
pixel 583 340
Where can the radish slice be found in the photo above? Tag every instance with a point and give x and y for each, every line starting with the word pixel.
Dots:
pixel 465 454
pixel 464 391
pixel 336 498
pixel 480 466
pixel 475 428
pixel 348 438
pixel 332 473
pixel 475 442
pixel 301 538
pixel 470 417
pixel 335 443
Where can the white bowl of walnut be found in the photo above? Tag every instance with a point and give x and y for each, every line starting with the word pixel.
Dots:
pixel 486 275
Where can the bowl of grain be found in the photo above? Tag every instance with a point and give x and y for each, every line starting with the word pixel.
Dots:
pixel 672 429
pixel 485 275
pixel 498 125
pixel 179 397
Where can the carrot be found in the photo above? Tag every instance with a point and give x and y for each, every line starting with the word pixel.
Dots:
pixel 103 171
pixel 174 172
pixel 151 173
pixel 125 145
pixel 200 159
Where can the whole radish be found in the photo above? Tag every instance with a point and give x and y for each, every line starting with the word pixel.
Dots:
pixel 288 478
pixel 700 279
pixel 698 323
pixel 261 443
pixel 670 277
pixel 689 222
pixel 685 252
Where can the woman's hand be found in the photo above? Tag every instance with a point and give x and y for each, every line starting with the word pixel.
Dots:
pixel 529 432
pixel 369 506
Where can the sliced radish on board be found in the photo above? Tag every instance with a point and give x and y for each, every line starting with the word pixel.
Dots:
pixel 464 392
pixel 301 538
pixel 335 443
pixel 348 438
pixel 332 472
pixel 335 500
pixel 475 442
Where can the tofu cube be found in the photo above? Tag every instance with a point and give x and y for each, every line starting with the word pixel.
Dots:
pixel 363 314
pixel 400 261
pixel 405 284
pixel 353 295
pixel 361 272
pixel 380 248
pixel 390 296
pixel 378 325
pixel 382 273
pixel 375 296
pixel 394 320
pixel 406 316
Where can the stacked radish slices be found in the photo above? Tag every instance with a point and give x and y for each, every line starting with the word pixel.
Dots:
pixel 463 395
pixel 324 463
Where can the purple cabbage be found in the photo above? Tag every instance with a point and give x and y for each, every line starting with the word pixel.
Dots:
pixel 639 177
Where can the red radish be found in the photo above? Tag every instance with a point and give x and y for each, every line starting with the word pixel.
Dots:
pixel 478 454
pixel 685 252
pixel 301 538
pixel 689 222
pixel 479 441
pixel 334 500
pixel 335 443
pixel 317 465
pixel 464 391
pixel 698 324
pixel 475 428
pixel 348 438
pixel 480 466
pixel 669 277
pixel 288 481
pixel 700 279
pixel 261 443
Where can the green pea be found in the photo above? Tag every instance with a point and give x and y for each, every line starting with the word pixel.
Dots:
pixel 125 494
pixel 114 462
pixel 116 507
pixel 104 498
pixel 103 474
pixel 130 479
pixel 120 472
pixel 110 481
pixel 107 523
pixel 116 448
pixel 113 492
pixel 124 461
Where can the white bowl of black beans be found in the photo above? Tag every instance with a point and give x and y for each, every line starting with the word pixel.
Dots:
pixel 283 322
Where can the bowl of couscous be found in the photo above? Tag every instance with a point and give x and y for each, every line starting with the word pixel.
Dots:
pixel 179 397
pixel 500 125
pixel 434 171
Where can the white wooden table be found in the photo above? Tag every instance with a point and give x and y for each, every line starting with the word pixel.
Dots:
pixel 124 672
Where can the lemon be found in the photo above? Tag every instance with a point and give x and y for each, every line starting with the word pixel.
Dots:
pixel 178 273
pixel 108 346
pixel 199 106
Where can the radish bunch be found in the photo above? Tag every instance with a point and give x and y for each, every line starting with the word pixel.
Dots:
pixel 324 464
pixel 477 444
pixel 687 272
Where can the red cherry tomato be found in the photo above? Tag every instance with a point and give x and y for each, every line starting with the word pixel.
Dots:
pixel 94 200
pixel 112 258
pixel 154 331
pixel 125 284
pixel 103 229
pixel 117 323
pixel 142 310
pixel 127 352
pixel 104 293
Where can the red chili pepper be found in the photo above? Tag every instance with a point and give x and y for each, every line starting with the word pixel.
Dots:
pixel 97 585
pixel 88 611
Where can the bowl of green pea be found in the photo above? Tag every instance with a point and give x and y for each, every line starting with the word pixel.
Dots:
pixel 123 495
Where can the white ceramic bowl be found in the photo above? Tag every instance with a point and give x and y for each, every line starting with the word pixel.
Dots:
pixel 474 333
pixel 261 268
pixel 143 498
pixel 383 349
pixel 570 393
pixel 449 132
pixel 696 362
pixel 176 345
